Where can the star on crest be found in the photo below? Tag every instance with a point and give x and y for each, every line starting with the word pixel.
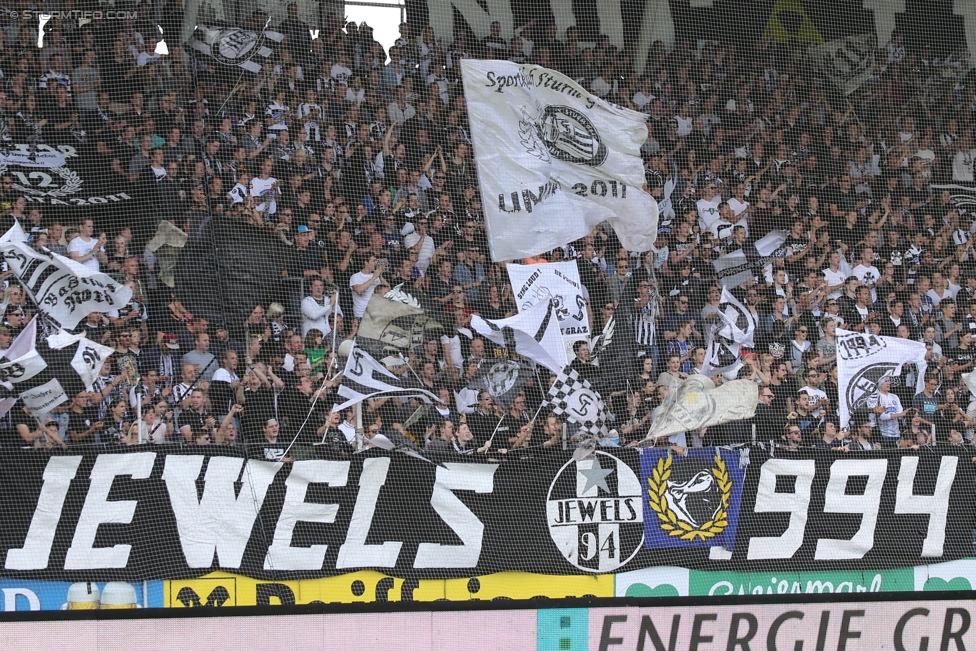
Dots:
pixel 596 476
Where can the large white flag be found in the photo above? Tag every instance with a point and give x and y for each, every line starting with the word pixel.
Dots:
pixel 533 332
pixel 697 403
pixel 63 289
pixel 554 160
pixel 558 282
pixel 863 361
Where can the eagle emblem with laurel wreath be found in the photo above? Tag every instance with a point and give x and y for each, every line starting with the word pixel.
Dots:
pixel 694 509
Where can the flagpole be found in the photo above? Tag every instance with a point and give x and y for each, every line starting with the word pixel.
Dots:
pixel 335 322
pixel 318 392
pixel 407 362
pixel 531 420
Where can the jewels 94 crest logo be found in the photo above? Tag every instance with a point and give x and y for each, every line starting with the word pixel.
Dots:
pixel 693 500
pixel 563 133
pixel 594 513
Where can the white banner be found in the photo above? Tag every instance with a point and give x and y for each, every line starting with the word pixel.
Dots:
pixel 863 361
pixel 558 282
pixel 64 290
pixel 553 160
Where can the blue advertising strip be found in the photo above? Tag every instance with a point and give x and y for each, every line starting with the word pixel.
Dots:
pixel 60 595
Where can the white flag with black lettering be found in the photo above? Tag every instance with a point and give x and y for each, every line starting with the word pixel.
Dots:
pixel 365 377
pixel 863 361
pixel 558 282
pixel 45 372
pixel 847 62
pixel 64 290
pixel 554 160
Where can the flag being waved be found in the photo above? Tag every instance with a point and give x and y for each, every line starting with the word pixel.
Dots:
pixel 365 378
pixel 743 265
pixel 573 398
pixel 45 372
pixel 847 62
pixel 503 379
pixel 698 403
pixel 63 289
pixel 534 332
pixel 864 361
pixel 733 328
pixel 554 160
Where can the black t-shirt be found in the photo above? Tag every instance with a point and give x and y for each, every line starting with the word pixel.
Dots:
pixel 845 202
pixel 266 450
pixel 293 407
pixel 81 422
pixel 196 422
pixel 58 115
pixel 94 333
pixel 19 417
pixel 675 245
pixel 440 288
pixel 961 356
pixel 258 409
pixel 893 254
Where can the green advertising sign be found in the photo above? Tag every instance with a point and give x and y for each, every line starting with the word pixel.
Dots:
pixel 741 583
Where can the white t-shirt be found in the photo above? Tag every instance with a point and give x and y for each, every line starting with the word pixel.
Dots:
pixel 360 301
pixel 223 375
pixel 684 125
pixel 261 187
pixel 708 212
pixel 868 275
pixel 426 253
pixel 737 206
pixel 834 278
pixel 962 166
pixel 816 397
pixel 83 248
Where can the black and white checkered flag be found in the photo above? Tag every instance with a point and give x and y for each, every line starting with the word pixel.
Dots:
pixel 573 398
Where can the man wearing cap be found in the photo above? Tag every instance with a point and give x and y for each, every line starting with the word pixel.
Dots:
pixel 307 260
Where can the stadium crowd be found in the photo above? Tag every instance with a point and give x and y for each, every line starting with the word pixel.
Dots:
pixel 357 163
